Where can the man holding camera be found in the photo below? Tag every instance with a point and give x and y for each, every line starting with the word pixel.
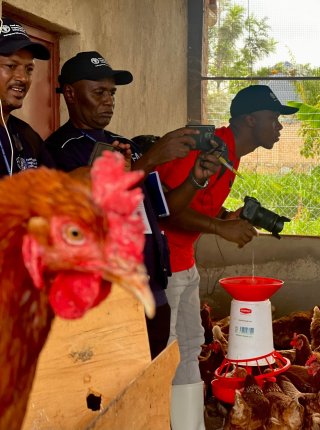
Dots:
pixel 254 123
pixel 89 84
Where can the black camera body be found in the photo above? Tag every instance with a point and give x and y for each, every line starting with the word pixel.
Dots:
pixel 204 143
pixel 261 217
pixel 203 139
pixel 98 149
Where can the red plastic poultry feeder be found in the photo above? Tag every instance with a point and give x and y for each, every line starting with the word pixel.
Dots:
pixel 250 343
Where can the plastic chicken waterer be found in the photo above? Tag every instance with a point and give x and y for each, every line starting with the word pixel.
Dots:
pixel 250 341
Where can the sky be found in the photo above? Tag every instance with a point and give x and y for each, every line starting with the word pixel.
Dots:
pixel 295 24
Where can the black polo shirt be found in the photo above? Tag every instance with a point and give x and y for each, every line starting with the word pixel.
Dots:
pixel 25 151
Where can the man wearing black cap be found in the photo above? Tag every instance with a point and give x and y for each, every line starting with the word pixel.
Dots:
pixel 88 84
pixel 254 122
pixel 20 146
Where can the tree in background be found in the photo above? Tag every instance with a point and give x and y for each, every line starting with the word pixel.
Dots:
pixel 310 127
pixel 236 43
pixel 309 110
pixel 308 91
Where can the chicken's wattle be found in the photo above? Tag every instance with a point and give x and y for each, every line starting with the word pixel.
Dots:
pixel 73 293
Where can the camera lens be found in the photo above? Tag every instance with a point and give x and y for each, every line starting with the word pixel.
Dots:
pixel 261 217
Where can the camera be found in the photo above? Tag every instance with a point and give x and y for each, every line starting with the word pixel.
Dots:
pixel 261 217
pixel 203 139
pixel 98 149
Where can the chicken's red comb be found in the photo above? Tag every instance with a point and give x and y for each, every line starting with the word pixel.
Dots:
pixel 113 190
pixel 215 346
pixel 293 341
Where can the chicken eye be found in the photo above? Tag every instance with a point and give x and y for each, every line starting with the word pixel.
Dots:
pixel 73 235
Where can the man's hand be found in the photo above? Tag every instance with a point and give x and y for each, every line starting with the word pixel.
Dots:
pixel 175 144
pixel 239 231
pixel 226 214
pixel 205 166
pixel 125 150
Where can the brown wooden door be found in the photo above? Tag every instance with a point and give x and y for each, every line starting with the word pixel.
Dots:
pixel 41 105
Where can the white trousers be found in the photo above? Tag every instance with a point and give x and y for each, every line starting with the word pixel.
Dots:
pixel 183 297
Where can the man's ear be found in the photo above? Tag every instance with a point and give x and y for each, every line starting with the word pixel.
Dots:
pixel 68 92
pixel 250 120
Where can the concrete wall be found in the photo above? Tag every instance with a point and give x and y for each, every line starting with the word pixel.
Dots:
pixel 147 37
pixel 293 259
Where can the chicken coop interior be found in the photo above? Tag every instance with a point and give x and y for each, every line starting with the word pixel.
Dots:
pixel 96 373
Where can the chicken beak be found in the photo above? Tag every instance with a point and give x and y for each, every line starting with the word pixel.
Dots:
pixel 137 283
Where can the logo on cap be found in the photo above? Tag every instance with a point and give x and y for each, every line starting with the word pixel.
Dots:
pixel 5 29
pixel 274 97
pixel 100 61
pixel 13 30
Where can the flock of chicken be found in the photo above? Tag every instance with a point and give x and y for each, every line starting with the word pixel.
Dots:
pixel 291 401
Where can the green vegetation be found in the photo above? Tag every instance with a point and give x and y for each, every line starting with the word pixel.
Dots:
pixel 294 195
pixel 236 43
pixel 310 127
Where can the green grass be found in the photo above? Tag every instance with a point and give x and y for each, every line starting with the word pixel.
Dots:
pixel 294 195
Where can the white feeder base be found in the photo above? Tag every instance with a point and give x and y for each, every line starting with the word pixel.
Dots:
pixel 250 332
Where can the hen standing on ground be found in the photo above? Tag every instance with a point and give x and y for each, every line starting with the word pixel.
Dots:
pixel 62 245
pixel 250 410
pixel 310 402
pixel 285 327
pixel 286 413
pixel 303 350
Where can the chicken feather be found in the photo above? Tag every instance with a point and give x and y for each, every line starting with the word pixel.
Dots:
pixel 62 245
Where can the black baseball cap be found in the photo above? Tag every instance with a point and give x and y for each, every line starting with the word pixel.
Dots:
pixel 90 66
pixel 255 98
pixel 13 37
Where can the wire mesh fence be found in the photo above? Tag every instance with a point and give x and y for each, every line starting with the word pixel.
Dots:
pixel 250 42
pixel 282 179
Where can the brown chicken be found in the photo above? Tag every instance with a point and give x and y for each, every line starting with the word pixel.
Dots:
pixel 61 247
pixel 315 328
pixel 285 327
pixel 250 410
pixel 206 323
pixel 301 378
pixel 224 324
pixel 309 401
pixel 285 413
pixel 239 417
pixel 219 336
pixel 313 369
pixel 313 422
pixel 301 344
pixel 210 359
